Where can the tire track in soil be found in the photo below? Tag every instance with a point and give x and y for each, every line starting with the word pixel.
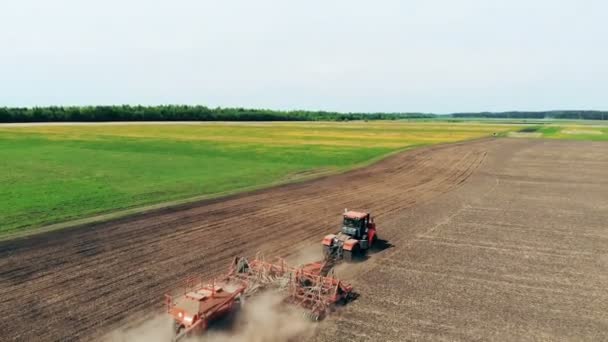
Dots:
pixel 78 284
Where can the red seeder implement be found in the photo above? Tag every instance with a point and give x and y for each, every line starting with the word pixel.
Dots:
pixel 308 286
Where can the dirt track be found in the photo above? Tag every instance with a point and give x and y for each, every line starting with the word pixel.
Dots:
pixel 488 244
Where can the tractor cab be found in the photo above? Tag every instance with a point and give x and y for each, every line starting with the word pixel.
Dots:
pixel 356 224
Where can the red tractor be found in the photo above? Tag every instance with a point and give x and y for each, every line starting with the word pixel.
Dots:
pixel 358 234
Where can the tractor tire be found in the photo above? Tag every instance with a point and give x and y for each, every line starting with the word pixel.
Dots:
pixel 353 255
pixel 327 251
pixel 348 256
pixel 373 244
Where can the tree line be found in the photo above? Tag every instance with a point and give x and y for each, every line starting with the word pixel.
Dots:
pixel 202 113
pixel 555 114
pixel 182 113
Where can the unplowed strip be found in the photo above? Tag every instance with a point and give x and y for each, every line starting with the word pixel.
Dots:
pixel 79 283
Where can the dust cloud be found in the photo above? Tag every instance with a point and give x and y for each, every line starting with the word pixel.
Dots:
pixel 307 255
pixel 264 318
pixel 156 329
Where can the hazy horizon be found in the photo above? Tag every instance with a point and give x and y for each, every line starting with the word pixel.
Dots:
pixel 348 56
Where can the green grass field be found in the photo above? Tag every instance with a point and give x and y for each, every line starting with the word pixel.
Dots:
pixel 590 131
pixel 575 132
pixel 52 174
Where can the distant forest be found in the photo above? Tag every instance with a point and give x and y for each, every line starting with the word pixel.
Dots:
pixel 556 114
pixel 183 113
pixel 202 113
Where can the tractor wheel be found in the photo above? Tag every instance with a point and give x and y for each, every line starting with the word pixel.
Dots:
pixel 326 251
pixel 348 256
pixel 373 244
pixel 352 255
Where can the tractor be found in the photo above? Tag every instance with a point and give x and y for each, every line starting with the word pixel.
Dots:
pixel 358 234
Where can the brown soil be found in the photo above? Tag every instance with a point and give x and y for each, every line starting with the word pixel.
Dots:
pixel 520 252
pixel 493 239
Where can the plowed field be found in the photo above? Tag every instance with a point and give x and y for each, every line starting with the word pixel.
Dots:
pixel 520 252
pixel 502 239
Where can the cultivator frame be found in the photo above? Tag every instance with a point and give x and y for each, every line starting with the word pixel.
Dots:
pixel 307 286
pixel 318 294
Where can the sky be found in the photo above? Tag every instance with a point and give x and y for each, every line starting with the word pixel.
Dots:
pixel 438 56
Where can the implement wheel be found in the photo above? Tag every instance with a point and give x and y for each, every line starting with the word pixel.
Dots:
pixel 177 332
